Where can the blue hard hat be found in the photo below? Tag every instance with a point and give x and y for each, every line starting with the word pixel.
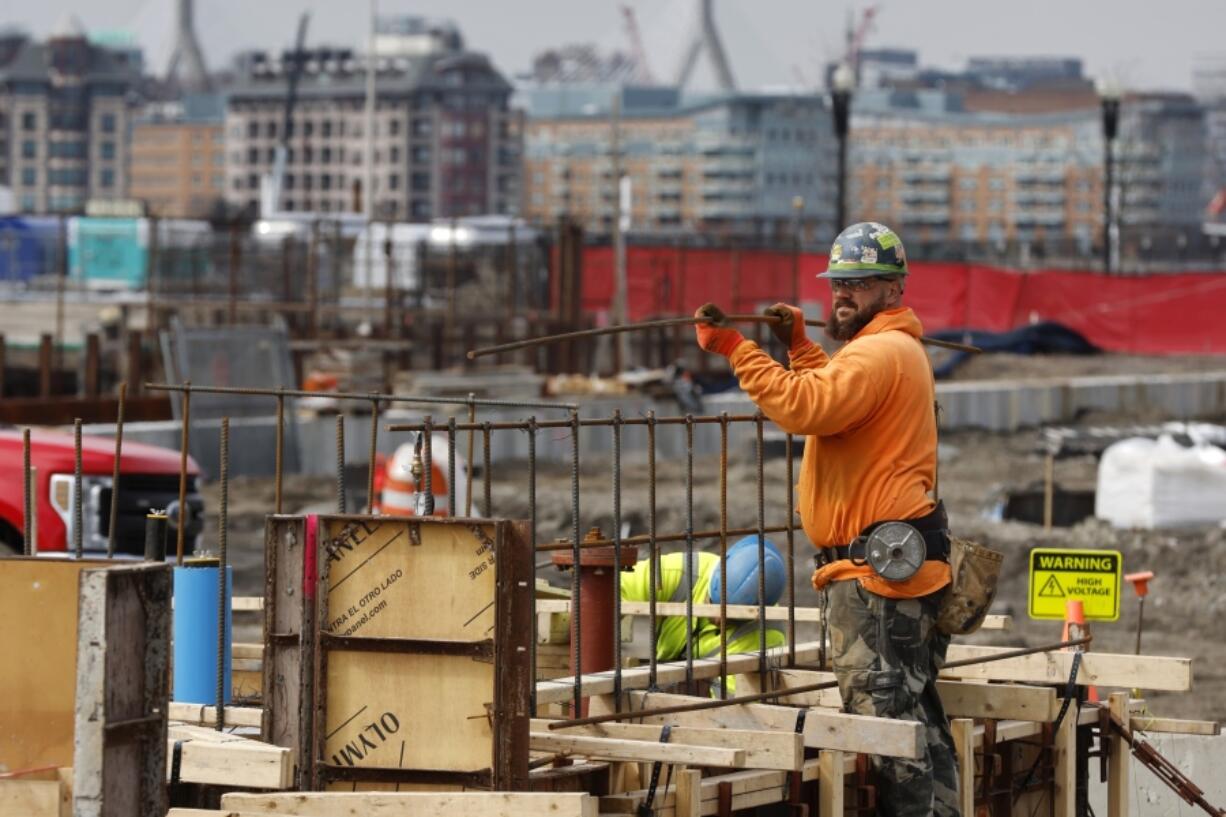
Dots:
pixel 742 569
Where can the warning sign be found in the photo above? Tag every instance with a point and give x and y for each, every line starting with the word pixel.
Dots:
pixel 1093 576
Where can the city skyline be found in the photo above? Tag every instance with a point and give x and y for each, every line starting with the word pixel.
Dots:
pixel 786 48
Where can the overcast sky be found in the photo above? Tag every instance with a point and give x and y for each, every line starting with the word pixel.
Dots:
pixel 1140 44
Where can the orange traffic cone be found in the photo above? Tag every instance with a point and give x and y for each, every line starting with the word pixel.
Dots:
pixel 1075 627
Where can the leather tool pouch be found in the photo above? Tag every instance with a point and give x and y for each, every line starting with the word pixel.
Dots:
pixel 975 570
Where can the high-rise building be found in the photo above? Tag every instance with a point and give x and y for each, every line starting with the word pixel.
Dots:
pixel 730 164
pixel 177 166
pixel 63 120
pixel 445 142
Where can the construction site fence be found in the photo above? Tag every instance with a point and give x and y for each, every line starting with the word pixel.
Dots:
pixel 471 437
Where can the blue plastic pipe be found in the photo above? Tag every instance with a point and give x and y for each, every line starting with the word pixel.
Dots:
pixel 195 634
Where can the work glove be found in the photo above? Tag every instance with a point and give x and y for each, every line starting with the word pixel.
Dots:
pixel 715 336
pixel 790 328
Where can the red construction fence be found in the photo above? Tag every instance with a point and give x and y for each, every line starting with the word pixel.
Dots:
pixel 1176 313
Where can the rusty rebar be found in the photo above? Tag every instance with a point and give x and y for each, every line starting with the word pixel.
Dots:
pixel 78 514
pixel 426 489
pixel 796 690
pixel 760 448
pixel 451 487
pixel 468 476
pixel 531 525
pixel 576 609
pixel 690 578
pixel 27 496
pixel 473 354
pixel 487 483
pixel 340 463
pixel 520 425
pixel 184 440
pixel 279 455
pixel 111 523
pixel 723 554
pixel 617 552
pixel 223 517
pixel 374 448
pixel 791 539
pixel 654 546
pixel 644 538
pixel 250 391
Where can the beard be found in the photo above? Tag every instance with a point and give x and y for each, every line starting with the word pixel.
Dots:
pixel 847 328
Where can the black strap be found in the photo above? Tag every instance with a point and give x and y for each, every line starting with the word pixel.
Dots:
pixel 1070 693
pixel 800 730
pixel 176 762
pixel 933 526
pixel 644 809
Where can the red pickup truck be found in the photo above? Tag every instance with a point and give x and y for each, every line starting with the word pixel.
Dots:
pixel 148 479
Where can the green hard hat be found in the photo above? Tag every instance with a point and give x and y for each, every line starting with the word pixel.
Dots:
pixel 866 250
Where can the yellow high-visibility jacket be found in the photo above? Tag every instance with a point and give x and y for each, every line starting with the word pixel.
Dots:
pixel 671 644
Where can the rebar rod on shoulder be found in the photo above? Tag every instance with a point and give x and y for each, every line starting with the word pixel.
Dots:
pixel 796 690
pixel 662 323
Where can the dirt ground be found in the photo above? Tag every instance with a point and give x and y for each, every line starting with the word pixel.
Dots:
pixel 1183 613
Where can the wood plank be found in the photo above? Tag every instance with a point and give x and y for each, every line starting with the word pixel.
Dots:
pixel 830 788
pixel 636 750
pixel 203 715
pixel 689 793
pixel 823 729
pixel 764 749
pixel 1064 784
pixel 1119 764
pixel 749 789
pixel 1148 723
pixel 35 798
pixel 1097 668
pixel 288 682
pixel 38 605
pixel 735 612
pixel 123 669
pixel 418 804
pixel 960 699
pixel 250 652
pixel 668 673
pixel 247 604
pixel 221 758
pixel 963 730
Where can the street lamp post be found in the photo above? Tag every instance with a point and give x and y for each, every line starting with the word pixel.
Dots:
pixel 842 82
pixel 1110 97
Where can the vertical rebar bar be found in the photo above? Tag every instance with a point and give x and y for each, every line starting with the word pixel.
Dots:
pixel 427 465
pixel 222 524
pixel 110 533
pixel 340 463
pixel 27 496
pixel 451 488
pixel 723 554
pixel 532 527
pixel 468 476
pixel 487 482
pixel 617 556
pixel 791 512
pixel 653 546
pixel 184 439
pixel 374 449
pixel 758 421
pixel 576 612
pixel 78 514
pixel 690 578
pixel 279 464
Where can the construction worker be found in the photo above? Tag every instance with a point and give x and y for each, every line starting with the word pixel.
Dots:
pixel 870 457
pixel 743 589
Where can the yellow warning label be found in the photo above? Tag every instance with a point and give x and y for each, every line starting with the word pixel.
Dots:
pixel 1092 576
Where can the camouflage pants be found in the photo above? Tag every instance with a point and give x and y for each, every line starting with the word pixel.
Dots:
pixel 886 654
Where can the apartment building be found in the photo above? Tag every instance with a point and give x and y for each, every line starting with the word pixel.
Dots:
pixel 732 164
pixel 64 120
pixel 178 158
pixel 445 141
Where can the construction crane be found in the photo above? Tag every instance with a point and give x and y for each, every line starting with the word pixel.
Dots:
pixel 270 189
pixel 642 71
pixel 856 37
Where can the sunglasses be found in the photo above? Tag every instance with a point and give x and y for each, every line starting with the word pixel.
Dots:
pixel 855 284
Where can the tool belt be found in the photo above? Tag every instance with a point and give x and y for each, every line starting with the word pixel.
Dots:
pixel 933 526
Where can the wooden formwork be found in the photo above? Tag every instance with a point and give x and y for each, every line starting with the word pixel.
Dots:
pixel 399 650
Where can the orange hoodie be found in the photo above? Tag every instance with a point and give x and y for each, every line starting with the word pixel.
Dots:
pixel 870 455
